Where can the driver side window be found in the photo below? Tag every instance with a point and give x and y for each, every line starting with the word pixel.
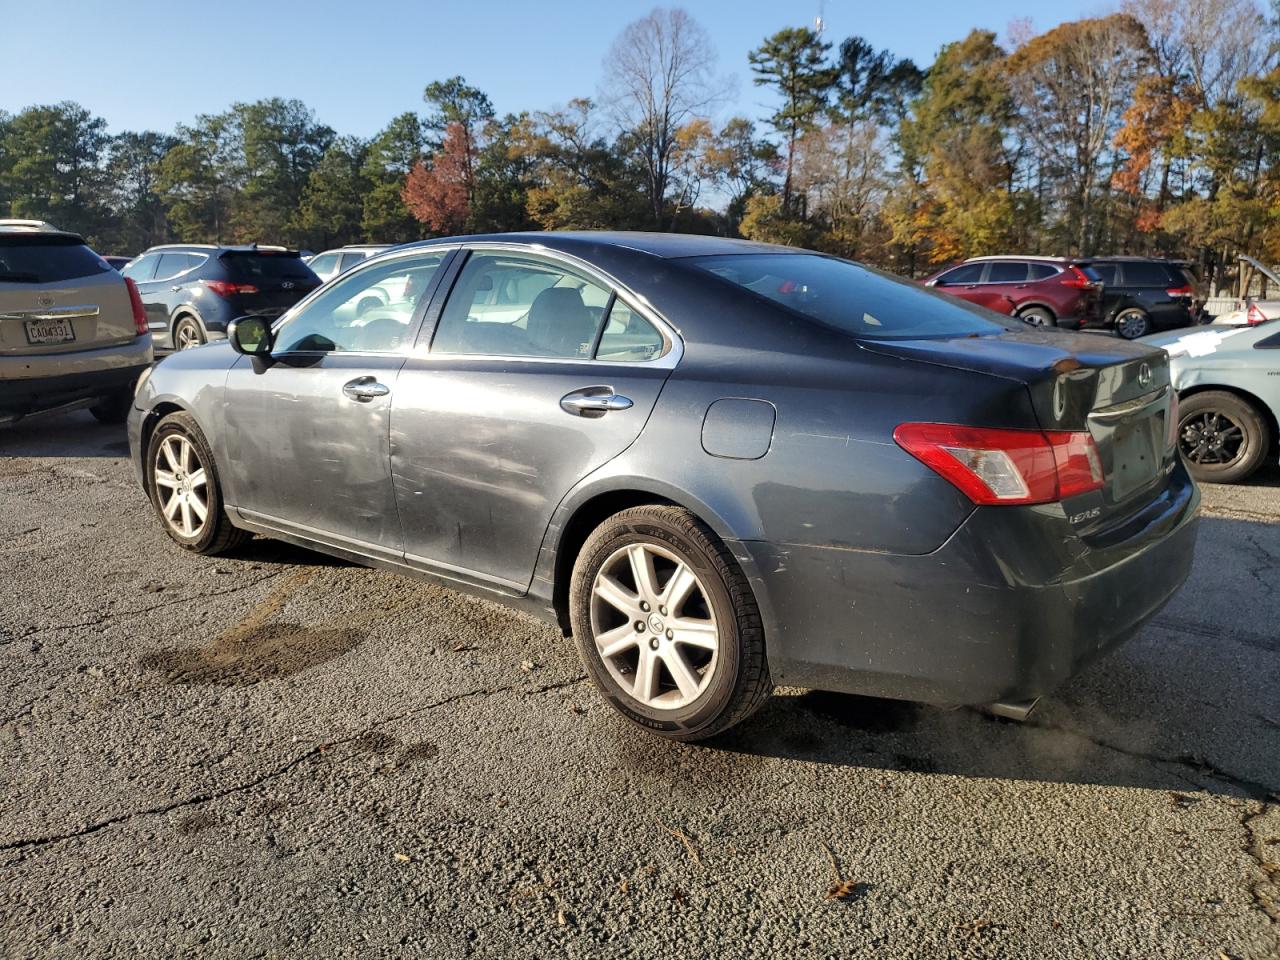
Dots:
pixel 368 311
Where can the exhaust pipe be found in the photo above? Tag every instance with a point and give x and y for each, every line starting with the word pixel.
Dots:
pixel 1011 709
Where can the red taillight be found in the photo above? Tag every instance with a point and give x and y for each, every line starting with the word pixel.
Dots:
pixel 991 466
pixel 225 288
pixel 139 311
pixel 1075 277
pixel 1254 316
pixel 1183 291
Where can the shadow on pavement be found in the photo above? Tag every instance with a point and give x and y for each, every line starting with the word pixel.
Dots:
pixel 74 434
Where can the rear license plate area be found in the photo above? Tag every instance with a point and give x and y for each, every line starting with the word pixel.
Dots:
pixel 50 331
pixel 1135 455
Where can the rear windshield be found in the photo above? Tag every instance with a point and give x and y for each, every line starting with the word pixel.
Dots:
pixel 852 298
pixel 26 258
pixel 267 266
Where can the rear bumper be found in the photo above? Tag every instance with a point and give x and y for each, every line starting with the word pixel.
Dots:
pixel 34 384
pixel 1011 607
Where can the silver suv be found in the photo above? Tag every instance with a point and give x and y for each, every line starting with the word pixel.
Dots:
pixel 329 264
pixel 73 332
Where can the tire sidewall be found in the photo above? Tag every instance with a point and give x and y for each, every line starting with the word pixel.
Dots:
pixel 1046 318
pixel 182 424
pixel 1256 440
pixel 1146 325
pixel 718 696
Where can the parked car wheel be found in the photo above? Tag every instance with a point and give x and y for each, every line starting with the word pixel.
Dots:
pixel 187 334
pixel 1132 323
pixel 1038 317
pixel 1222 437
pixel 113 409
pixel 183 483
pixel 666 624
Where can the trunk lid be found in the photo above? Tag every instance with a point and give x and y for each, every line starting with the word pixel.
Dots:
pixel 1118 392
pixel 58 296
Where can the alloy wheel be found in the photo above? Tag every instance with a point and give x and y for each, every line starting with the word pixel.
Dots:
pixel 187 336
pixel 182 485
pixel 654 627
pixel 1211 438
pixel 1132 324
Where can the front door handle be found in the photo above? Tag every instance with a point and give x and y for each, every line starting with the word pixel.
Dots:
pixel 364 389
pixel 593 402
pixel 176 287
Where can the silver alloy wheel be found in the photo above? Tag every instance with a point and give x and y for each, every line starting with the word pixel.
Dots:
pixel 188 336
pixel 1132 324
pixel 182 487
pixel 1036 317
pixel 654 627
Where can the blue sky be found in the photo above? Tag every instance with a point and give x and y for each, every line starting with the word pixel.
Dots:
pixel 144 64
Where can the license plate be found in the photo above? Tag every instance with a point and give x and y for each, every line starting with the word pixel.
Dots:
pixel 1136 455
pixel 49 331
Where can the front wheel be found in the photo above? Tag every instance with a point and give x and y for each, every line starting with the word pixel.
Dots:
pixel 1223 438
pixel 666 624
pixel 183 482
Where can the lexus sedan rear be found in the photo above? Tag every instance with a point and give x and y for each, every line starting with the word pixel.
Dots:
pixel 719 465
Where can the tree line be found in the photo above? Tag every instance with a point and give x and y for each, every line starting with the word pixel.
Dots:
pixel 1154 129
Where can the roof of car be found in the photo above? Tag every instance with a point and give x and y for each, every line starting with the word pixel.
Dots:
pixel 1124 258
pixel 234 247
pixel 664 245
pixel 16 225
pixel 1026 256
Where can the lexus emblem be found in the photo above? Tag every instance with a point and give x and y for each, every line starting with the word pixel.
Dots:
pixel 288 285
pixel 44 300
pixel 1144 375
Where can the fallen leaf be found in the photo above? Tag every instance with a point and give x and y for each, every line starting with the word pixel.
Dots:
pixel 527 665
pixel 624 886
pixel 579 710
pixel 463 647
pixel 402 857
pixel 683 838
pixel 842 890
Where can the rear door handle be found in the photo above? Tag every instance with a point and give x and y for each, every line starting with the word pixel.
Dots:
pixel 364 389
pixel 594 402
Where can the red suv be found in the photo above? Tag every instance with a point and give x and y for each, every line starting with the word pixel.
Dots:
pixel 1047 291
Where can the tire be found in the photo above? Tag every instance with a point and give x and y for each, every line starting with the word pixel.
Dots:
pixel 115 408
pixel 1132 323
pixel 1222 438
pixel 187 334
pixel 215 533
pixel 725 682
pixel 1038 317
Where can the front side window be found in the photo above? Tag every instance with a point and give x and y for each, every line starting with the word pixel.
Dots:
pixel 851 298
pixel 516 306
pixel 370 311
pixel 965 273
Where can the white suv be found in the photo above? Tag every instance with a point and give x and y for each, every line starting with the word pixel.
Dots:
pixel 73 332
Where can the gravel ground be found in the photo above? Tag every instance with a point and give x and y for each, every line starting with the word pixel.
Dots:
pixel 277 754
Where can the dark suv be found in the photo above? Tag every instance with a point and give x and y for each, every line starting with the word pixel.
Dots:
pixel 1142 295
pixel 1046 291
pixel 192 291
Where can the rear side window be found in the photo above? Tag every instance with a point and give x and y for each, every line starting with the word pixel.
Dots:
pixel 144 268
pixel 26 258
pixel 266 266
pixel 325 263
pixel 851 298
pixel 1042 271
pixel 172 264
pixel 1146 275
pixel 1007 272
pixel 966 273
pixel 349 260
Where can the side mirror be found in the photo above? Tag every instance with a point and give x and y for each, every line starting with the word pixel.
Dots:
pixel 250 336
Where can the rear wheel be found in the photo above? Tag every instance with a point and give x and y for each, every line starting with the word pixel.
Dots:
pixel 1038 317
pixel 1222 437
pixel 666 624
pixel 187 334
pixel 113 408
pixel 1133 323
pixel 183 482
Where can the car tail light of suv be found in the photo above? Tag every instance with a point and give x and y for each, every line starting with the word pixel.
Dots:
pixel 996 466
pixel 1255 316
pixel 1182 291
pixel 226 288
pixel 139 311
pixel 1075 277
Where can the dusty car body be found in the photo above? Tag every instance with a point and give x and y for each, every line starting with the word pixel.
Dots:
pixel 797 440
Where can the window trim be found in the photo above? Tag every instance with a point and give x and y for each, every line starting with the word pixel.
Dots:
pixel 429 297
pixel 673 343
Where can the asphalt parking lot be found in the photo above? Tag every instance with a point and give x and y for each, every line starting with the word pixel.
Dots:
pixel 274 754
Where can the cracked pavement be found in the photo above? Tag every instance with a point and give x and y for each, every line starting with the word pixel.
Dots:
pixel 277 754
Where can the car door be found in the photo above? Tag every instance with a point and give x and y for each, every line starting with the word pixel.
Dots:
pixel 538 372
pixel 1003 286
pixel 307 427
pixel 963 281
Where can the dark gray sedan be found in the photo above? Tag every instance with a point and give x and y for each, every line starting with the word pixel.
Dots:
pixel 720 465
